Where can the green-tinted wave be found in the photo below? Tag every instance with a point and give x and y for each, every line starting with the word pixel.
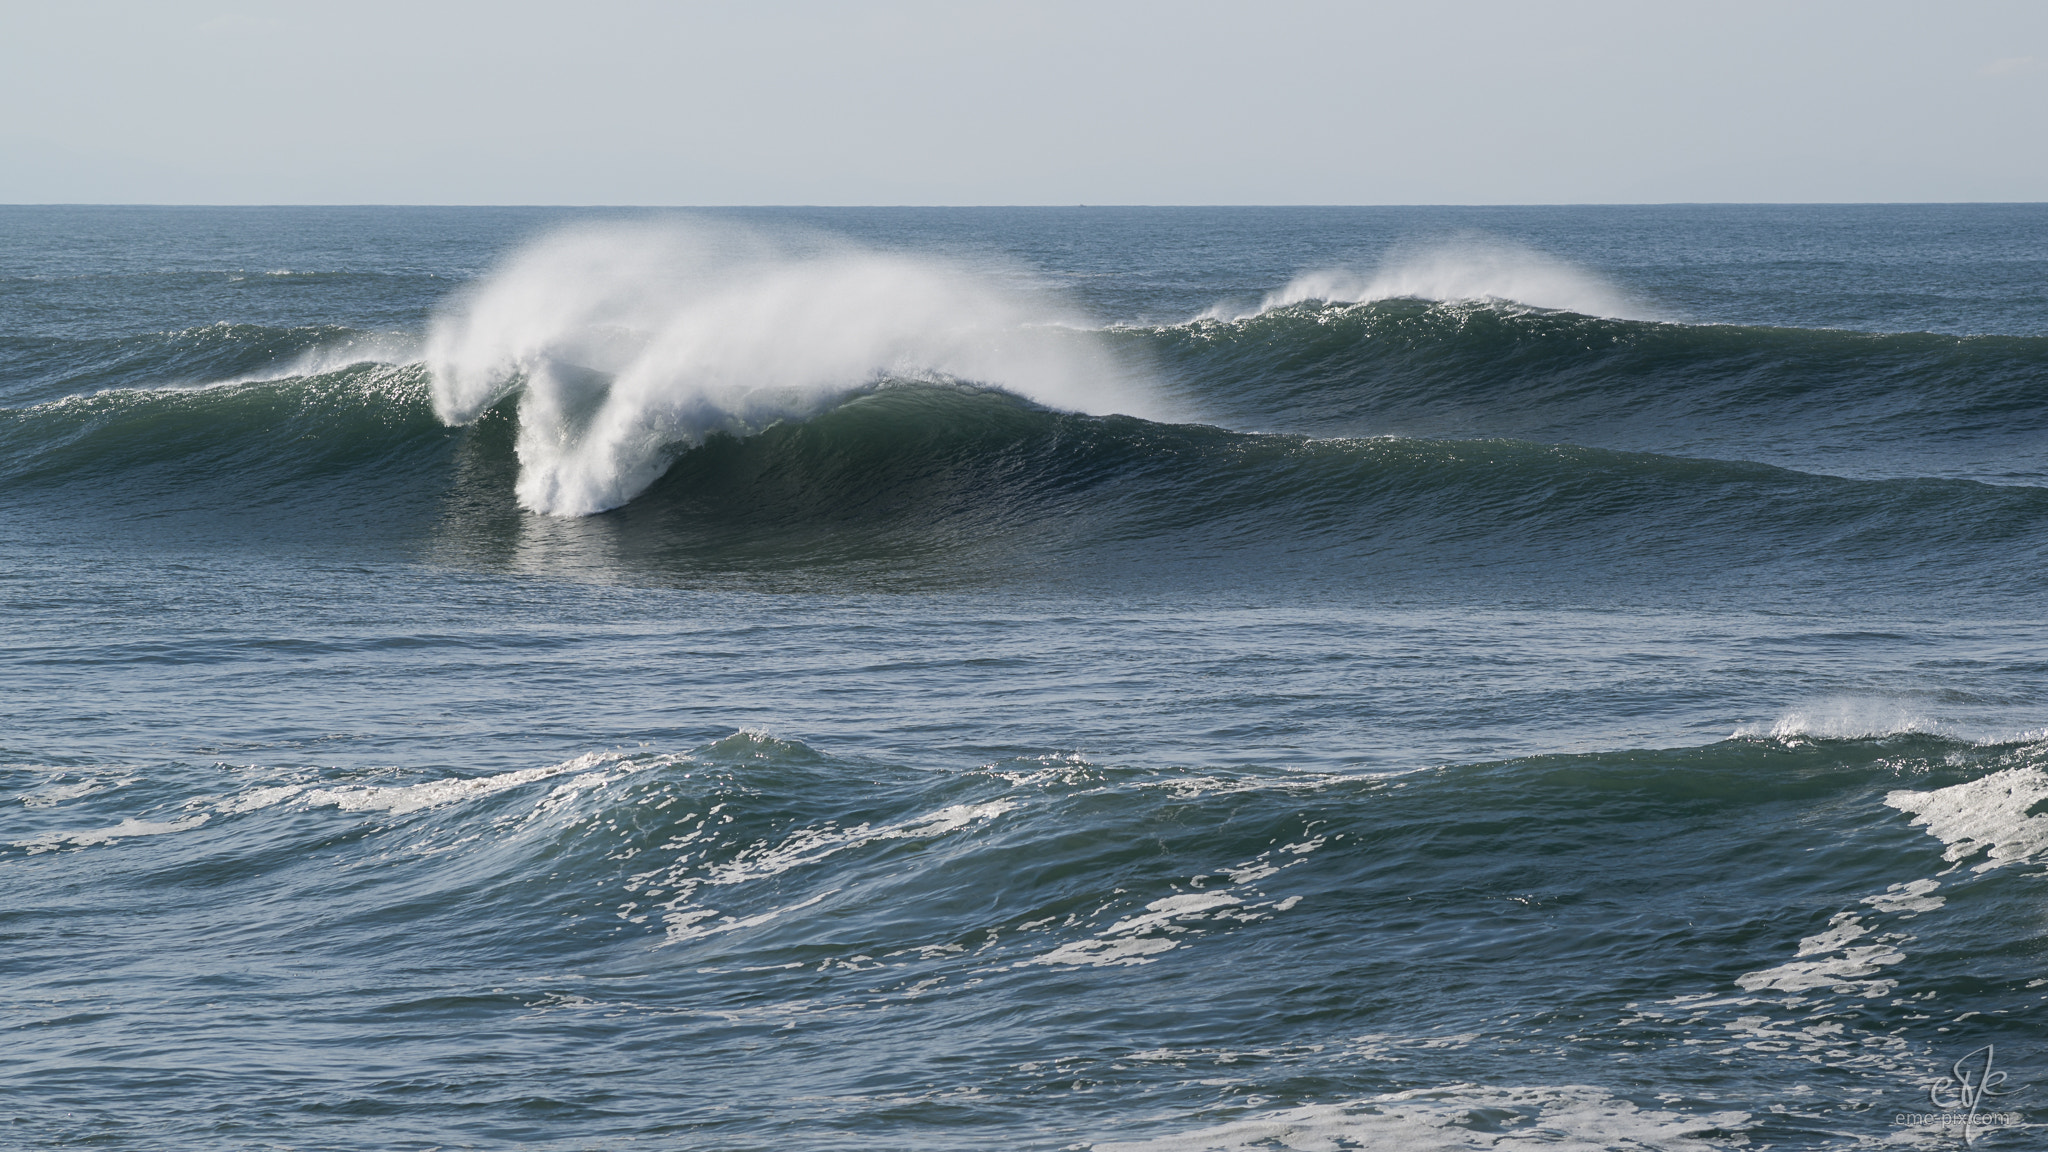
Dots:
pixel 1820 398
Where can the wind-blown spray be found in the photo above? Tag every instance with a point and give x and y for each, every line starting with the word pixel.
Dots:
pixel 628 345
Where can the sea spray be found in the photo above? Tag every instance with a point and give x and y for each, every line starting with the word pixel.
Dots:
pixel 628 345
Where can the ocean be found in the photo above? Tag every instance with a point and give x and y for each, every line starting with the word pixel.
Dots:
pixel 1057 678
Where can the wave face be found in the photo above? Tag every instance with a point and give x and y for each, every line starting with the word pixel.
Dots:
pixel 964 478
pixel 1413 437
pixel 924 466
pixel 1838 402
pixel 1470 958
pixel 620 355
pixel 626 346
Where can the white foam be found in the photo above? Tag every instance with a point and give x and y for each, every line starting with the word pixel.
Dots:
pixel 257 798
pixel 413 797
pixel 1187 906
pixel 1844 966
pixel 951 818
pixel 1570 1118
pixel 684 926
pixel 804 847
pixel 1109 953
pixel 1476 271
pixel 810 845
pixel 1911 898
pixel 1876 717
pixel 627 344
pixel 126 829
pixel 1846 718
pixel 1987 815
pixel 1136 939
pixel 55 794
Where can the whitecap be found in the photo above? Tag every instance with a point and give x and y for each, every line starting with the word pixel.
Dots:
pixel 1468 271
pixel 433 793
pixel 126 829
pixel 626 345
pixel 1988 816
pixel 1577 1118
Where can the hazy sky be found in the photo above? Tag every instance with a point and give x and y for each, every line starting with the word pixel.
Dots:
pixel 179 101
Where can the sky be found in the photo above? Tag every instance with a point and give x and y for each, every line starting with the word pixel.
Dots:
pixel 610 102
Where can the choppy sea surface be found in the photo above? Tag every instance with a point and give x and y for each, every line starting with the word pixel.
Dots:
pixel 1117 679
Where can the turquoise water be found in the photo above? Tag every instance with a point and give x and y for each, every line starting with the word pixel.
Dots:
pixel 1107 678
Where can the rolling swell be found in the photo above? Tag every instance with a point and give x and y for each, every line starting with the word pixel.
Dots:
pixel 939 470
pixel 41 368
pixel 358 435
pixel 1410 435
pixel 984 477
pixel 1868 403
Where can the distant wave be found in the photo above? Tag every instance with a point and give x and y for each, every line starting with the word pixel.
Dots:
pixel 1472 270
pixel 1826 400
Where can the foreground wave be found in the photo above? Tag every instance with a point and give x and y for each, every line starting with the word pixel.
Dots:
pixel 1069 924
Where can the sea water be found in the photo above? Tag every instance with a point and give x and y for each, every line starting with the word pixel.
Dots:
pixel 1564 678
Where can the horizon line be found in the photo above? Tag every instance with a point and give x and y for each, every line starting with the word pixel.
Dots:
pixel 1043 206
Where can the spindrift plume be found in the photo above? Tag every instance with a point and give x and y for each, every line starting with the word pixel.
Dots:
pixel 626 346
pixel 1466 270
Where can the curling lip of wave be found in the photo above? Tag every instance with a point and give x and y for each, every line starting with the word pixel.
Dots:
pixel 626 346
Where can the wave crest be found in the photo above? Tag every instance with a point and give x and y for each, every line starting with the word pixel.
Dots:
pixel 627 346
pixel 1472 271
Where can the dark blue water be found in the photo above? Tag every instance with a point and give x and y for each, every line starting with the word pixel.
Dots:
pixel 1565 678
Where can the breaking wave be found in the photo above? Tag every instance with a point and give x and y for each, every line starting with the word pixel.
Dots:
pixel 627 346
pixel 1473 271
